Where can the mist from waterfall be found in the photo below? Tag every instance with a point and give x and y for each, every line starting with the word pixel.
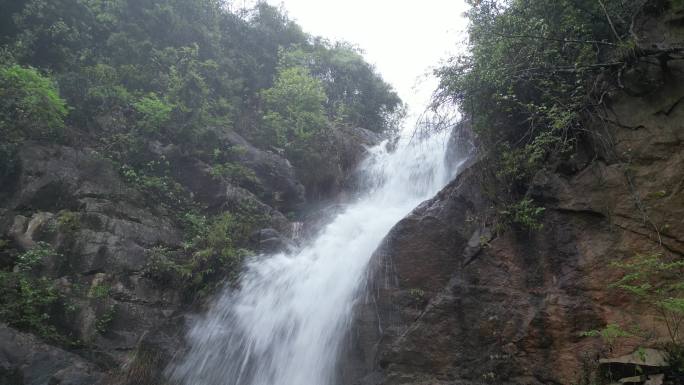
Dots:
pixel 286 322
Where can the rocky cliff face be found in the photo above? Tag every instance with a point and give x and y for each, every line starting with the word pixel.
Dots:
pixel 119 318
pixel 453 301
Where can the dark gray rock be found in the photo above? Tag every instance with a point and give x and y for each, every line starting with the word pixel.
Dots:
pixel 112 228
pixel 333 175
pixel 219 194
pixel 275 173
pixel 462 146
pixel 659 27
pixel 270 241
pixel 643 78
pixel 24 360
pixel 155 350
pixel 103 231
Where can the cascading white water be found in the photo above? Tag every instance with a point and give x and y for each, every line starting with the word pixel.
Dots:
pixel 285 324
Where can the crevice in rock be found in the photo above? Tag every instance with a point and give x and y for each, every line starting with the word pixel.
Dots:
pixel 583 212
pixel 669 110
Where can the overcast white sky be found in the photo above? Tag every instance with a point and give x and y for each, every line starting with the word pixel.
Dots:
pixel 404 39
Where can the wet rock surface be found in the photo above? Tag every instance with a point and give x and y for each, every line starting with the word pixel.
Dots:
pixel 333 177
pixel 450 301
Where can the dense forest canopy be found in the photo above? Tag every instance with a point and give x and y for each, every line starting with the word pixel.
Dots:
pixel 179 71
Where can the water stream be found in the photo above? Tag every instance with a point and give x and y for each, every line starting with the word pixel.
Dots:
pixel 286 323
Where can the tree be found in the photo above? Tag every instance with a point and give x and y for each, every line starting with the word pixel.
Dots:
pixel 356 94
pixel 293 107
pixel 30 105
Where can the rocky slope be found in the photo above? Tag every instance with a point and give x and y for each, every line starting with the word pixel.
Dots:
pixel 117 309
pixel 451 300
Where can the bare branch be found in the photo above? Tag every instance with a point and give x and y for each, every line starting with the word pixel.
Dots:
pixel 610 21
pixel 592 42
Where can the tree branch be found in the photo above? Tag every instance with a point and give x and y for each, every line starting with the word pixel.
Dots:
pixel 592 42
pixel 610 21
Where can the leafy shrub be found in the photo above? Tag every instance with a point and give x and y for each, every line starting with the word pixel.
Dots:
pixel 162 188
pixel 609 334
pixel 30 105
pixel 215 246
pixel 26 301
pixel 103 323
pixel 293 107
pixel 236 173
pixel 164 269
pixel 68 221
pixel 30 258
pixel 659 283
pixel 99 291
pixel 154 112
pixel 97 91
pixel 524 213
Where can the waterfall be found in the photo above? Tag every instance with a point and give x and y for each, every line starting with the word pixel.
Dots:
pixel 286 322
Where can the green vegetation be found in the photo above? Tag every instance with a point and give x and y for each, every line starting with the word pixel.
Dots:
pixel 354 94
pixel 29 259
pixel 179 72
pixel 215 245
pixel 99 291
pixel 103 323
pixel 68 221
pixel 26 300
pixel 294 107
pixel 609 334
pixel 129 78
pixel 530 65
pixel 30 108
pixel 154 113
pixel 154 180
pixel 535 73
pixel 30 105
pixel 236 173
pixel 656 282
pixel 524 213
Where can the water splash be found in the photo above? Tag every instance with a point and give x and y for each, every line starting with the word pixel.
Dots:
pixel 285 324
